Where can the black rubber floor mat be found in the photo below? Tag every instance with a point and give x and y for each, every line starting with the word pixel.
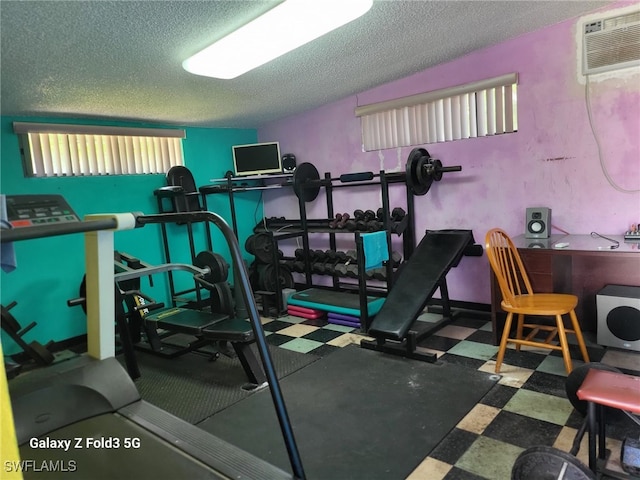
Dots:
pixel 194 388
pixel 357 414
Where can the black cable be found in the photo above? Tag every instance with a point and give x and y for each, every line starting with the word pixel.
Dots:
pixel 615 245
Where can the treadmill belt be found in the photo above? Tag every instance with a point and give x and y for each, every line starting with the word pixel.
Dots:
pixel 151 457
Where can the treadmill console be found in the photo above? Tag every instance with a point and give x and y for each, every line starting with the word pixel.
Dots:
pixel 38 210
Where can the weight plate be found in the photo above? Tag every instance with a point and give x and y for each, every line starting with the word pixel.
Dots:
pixel 222 299
pixel 412 169
pixel 436 169
pixel 218 267
pixel 248 244
pixel 424 174
pixel 263 247
pixel 548 463
pixel 303 174
pixel 267 278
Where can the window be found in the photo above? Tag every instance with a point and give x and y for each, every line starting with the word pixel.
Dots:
pixel 54 150
pixel 476 109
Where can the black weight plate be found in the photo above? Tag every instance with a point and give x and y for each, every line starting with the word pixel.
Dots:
pixel 264 272
pixel 304 173
pixel 268 278
pixel 436 169
pixel 424 174
pixel 222 299
pixel 248 244
pixel 254 276
pixel 548 463
pixel 218 267
pixel 263 247
pixel 286 278
pixel 574 381
pixel 412 168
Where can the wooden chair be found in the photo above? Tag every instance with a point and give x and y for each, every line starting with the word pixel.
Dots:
pixel 518 298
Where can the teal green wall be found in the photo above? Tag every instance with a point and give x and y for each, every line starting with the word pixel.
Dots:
pixel 50 269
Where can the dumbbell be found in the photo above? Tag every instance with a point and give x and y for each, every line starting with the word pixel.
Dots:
pixel 339 221
pixel 342 223
pixel 335 256
pixel 346 270
pixel 397 214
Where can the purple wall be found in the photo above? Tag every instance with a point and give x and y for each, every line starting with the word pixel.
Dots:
pixel 501 175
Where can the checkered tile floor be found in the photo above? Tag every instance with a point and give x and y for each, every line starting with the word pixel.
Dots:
pixel 527 407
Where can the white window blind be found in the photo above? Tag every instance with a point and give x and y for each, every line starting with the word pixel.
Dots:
pixel 52 150
pixel 478 109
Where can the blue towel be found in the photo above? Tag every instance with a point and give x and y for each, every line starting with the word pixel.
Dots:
pixel 376 249
pixel 7 254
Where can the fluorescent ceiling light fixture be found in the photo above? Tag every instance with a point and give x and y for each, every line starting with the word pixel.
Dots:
pixel 282 29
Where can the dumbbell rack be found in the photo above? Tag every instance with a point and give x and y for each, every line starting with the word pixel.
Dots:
pixel 306 226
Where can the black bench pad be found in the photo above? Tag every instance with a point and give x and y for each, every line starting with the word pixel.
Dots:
pixel 185 320
pixel 437 252
pixel 230 329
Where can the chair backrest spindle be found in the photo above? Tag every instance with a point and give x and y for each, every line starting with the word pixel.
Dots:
pixel 507 265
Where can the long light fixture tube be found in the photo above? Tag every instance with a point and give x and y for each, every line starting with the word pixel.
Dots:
pixel 282 29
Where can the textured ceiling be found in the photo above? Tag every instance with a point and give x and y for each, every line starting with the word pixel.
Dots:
pixel 122 59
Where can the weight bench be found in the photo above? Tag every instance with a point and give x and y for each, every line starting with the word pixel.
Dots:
pixel 207 328
pixel 419 278
pixel 601 389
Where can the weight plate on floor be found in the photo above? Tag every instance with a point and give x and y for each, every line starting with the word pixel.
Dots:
pixel 302 176
pixel 546 463
pixel 218 267
pixel 415 162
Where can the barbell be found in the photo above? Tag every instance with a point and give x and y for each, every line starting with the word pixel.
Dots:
pixel 420 172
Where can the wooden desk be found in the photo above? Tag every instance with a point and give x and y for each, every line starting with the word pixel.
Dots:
pixel 583 268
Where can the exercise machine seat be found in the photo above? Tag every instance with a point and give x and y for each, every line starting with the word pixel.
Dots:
pixel 184 320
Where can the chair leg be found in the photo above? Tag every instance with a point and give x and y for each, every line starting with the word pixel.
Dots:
pixel 578 332
pixel 519 330
pixel 503 341
pixel 562 335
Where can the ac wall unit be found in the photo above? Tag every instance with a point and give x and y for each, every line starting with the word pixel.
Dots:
pixel 611 43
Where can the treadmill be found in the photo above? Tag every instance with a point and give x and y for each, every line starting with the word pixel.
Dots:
pixel 84 417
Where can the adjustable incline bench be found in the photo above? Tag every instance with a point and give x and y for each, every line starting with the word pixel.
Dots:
pixel 419 278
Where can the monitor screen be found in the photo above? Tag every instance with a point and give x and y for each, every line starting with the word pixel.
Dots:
pixel 257 159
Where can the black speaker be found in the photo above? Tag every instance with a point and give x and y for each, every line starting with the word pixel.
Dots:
pixel 537 222
pixel 288 163
pixel 618 308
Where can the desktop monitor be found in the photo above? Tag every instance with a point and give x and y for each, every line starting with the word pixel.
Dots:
pixel 257 159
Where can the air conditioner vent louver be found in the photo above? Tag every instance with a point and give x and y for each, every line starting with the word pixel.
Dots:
pixel 611 44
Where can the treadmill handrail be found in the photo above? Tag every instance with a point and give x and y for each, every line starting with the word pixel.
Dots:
pixel 53 230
